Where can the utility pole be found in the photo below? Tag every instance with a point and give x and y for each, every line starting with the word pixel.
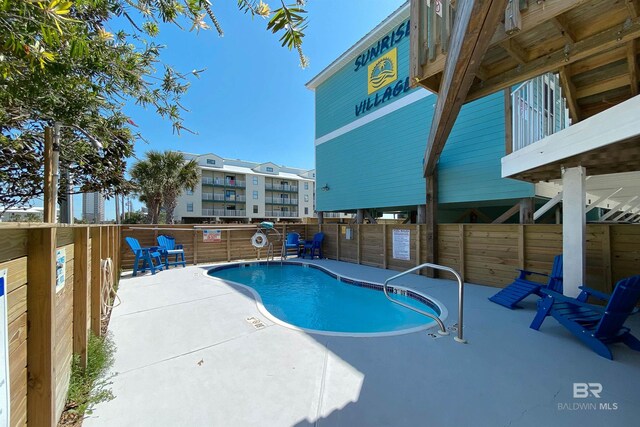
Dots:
pixel 51 174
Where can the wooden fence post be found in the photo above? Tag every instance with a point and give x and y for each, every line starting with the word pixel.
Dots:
pixel 195 246
pixel 606 258
pixel 338 242
pixel 521 247
pixel 384 246
pixel 228 245
pixel 96 279
pixel 358 256
pixel 41 273
pixel 81 283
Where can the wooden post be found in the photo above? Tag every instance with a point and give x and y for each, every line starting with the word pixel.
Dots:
pixel 432 222
pixel 81 283
pixel 418 245
pixel 461 250
pixel 228 245
pixel 338 242
pixel 508 123
pixel 96 279
pixel 358 256
pixel 195 246
pixel 49 214
pixel 41 320
pixel 526 210
pixel 606 258
pixel 384 246
pixel 521 247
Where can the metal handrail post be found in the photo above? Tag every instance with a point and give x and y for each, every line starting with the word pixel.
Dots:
pixel 443 330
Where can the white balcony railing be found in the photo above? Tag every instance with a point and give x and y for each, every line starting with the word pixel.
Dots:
pixel 281 201
pixel 281 214
pixel 223 182
pixel 538 110
pixel 279 187
pixel 223 212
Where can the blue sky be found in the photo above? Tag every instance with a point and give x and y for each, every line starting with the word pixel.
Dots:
pixel 251 103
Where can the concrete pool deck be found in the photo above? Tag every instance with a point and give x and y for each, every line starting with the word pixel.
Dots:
pixel 187 356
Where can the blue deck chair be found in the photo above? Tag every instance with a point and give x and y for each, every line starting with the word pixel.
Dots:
pixel 168 247
pixel 146 255
pixel 313 247
pixel 292 244
pixel 522 288
pixel 594 325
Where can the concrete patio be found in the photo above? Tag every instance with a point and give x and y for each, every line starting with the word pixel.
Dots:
pixel 188 356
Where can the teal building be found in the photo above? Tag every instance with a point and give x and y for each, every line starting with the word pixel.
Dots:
pixel 372 129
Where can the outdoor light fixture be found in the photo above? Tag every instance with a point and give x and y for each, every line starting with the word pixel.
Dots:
pixel 325 188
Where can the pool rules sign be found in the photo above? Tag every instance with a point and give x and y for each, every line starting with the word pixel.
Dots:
pixel 401 244
pixel 4 348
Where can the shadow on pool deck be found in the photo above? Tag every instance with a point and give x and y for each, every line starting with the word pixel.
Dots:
pixel 187 356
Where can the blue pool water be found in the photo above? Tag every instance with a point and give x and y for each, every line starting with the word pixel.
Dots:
pixel 312 299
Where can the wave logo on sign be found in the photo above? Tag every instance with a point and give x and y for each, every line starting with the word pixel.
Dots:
pixel 383 71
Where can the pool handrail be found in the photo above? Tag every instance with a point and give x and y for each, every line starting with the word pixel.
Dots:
pixel 443 330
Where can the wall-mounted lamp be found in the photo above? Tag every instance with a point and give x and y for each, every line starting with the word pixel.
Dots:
pixel 325 188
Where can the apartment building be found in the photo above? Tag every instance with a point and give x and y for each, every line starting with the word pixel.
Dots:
pixel 233 190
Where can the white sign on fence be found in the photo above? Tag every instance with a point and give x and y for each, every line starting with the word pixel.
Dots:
pixel 401 244
pixel 4 350
pixel 61 260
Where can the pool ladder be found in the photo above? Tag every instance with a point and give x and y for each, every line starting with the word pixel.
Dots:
pixel 443 330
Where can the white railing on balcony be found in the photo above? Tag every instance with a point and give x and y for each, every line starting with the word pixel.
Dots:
pixel 279 187
pixel 538 110
pixel 281 214
pixel 223 212
pixel 281 201
pixel 223 182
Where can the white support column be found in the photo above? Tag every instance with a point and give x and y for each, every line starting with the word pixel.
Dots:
pixel 574 226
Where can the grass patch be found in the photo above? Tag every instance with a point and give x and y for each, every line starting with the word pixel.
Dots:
pixel 89 386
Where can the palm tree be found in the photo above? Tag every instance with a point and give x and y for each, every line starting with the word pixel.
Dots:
pixel 161 178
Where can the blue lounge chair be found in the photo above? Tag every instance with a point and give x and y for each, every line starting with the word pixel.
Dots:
pixel 146 255
pixel 313 247
pixel 594 325
pixel 292 244
pixel 168 247
pixel 522 288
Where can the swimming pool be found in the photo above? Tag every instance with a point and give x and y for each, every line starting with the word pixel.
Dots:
pixel 308 297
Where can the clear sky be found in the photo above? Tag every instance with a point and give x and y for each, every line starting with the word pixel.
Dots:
pixel 251 102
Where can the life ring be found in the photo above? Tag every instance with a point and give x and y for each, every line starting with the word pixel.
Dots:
pixel 259 240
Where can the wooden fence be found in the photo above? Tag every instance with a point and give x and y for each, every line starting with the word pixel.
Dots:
pixel 48 325
pixel 486 254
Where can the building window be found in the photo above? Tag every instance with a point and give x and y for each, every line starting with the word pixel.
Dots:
pixel 306 197
pixel 211 162
pixel 269 169
pixel 306 211
pixel 255 194
pixel 189 192
pixel 306 185
pixel 255 209
pixel 255 180
pixel 189 207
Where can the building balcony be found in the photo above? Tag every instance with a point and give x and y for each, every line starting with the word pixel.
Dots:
pixel 279 187
pixel 223 212
pixel 221 182
pixel 280 201
pixel 282 214
pixel 222 198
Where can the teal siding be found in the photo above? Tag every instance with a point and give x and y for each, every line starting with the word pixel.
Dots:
pixel 337 97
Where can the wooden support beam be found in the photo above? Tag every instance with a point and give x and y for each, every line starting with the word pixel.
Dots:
pixel 562 24
pixel 508 214
pixel 601 86
pixel 601 42
pixel 569 92
pixel 96 279
pixel 81 286
pixel 526 210
pixel 475 21
pixel 49 214
pixel 537 13
pixel 547 206
pixel 515 51
pixel 432 222
pixel 633 66
pixel 634 8
pixel 41 321
pixel 512 18
pixel 508 123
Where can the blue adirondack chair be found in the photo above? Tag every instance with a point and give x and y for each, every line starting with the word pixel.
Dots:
pixel 313 247
pixel 522 288
pixel 292 244
pixel 146 255
pixel 594 325
pixel 168 247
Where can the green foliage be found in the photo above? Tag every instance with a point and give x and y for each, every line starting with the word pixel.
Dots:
pixel 58 64
pixel 134 218
pixel 90 386
pixel 160 179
